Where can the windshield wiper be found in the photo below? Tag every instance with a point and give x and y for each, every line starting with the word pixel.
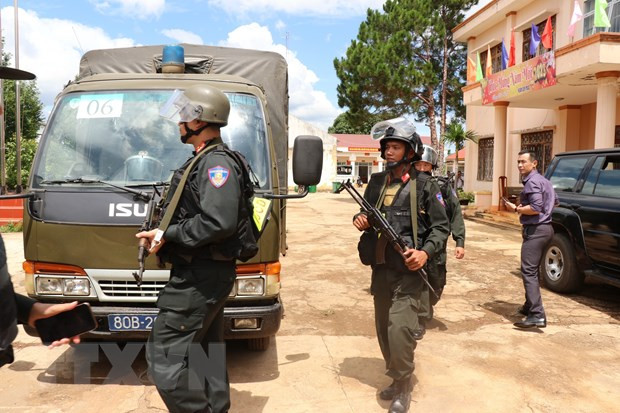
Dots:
pixel 140 194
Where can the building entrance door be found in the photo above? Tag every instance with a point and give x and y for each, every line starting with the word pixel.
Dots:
pixel 363 171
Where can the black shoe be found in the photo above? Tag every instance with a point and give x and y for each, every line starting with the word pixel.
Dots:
pixel 523 311
pixel 530 322
pixel 419 333
pixel 402 400
pixel 389 392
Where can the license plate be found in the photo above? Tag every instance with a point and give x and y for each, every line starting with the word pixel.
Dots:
pixel 131 322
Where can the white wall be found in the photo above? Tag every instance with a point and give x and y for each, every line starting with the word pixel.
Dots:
pixel 298 127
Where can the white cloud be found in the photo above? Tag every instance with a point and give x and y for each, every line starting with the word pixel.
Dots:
pixel 140 9
pixel 306 102
pixel 335 8
pixel 182 36
pixel 280 25
pixel 52 48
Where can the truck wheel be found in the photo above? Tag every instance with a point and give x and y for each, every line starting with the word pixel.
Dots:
pixel 558 267
pixel 259 344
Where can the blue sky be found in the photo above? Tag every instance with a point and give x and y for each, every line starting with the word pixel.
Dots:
pixel 54 34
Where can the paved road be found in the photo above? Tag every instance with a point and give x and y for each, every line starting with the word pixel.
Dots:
pixel 326 359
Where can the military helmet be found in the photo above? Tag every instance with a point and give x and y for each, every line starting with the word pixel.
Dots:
pixel 398 129
pixel 201 102
pixel 429 155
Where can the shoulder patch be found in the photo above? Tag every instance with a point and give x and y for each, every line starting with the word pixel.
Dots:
pixel 218 175
pixel 440 198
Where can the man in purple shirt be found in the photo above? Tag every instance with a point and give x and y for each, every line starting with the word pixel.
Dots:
pixel 536 203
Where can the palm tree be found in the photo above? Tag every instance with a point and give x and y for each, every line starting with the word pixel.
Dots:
pixel 455 134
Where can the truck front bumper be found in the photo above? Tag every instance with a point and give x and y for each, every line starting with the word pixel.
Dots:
pixel 265 319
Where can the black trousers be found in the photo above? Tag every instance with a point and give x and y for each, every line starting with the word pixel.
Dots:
pixel 186 353
pixel 535 238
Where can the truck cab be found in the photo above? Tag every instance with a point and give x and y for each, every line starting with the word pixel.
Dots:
pixel 105 150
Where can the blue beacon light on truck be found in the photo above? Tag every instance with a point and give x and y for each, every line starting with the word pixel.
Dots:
pixel 173 59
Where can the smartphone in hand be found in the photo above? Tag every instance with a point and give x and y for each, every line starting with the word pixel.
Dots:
pixel 67 324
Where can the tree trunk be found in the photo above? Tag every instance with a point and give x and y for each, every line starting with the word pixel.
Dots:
pixel 444 98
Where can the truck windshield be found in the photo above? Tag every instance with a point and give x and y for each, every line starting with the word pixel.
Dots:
pixel 119 137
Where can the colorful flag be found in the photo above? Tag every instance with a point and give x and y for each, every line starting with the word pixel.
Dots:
pixel 488 71
pixel 478 69
pixel 504 56
pixel 511 58
pixel 471 71
pixel 535 40
pixel 577 16
pixel 600 14
pixel 547 36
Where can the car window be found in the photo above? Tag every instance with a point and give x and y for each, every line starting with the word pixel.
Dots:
pixel 588 186
pixel 567 172
pixel 608 183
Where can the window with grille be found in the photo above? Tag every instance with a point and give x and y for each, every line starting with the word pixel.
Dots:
pixel 496 59
pixel 485 159
pixel 613 12
pixel 540 143
pixel 527 39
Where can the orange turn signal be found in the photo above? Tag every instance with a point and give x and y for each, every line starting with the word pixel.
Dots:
pixel 35 267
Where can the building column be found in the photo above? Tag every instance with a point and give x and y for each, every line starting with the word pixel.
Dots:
pixel 606 95
pixel 499 150
pixel 569 123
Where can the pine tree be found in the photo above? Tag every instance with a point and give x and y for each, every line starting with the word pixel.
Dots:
pixel 405 62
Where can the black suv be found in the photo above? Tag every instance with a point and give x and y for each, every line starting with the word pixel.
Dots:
pixel 586 221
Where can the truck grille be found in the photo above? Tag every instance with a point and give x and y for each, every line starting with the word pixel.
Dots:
pixel 117 288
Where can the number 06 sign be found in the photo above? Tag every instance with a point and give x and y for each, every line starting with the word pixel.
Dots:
pixel 100 106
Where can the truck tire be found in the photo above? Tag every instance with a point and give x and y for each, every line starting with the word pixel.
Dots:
pixel 558 267
pixel 258 344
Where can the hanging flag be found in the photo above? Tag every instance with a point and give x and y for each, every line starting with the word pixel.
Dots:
pixel 504 56
pixel 478 69
pixel 600 14
pixel 547 36
pixel 488 71
pixel 511 58
pixel 577 16
pixel 535 40
pixel 471 71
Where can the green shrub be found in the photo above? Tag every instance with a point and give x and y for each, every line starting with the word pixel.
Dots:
pixel 12 227
pixel 28 149
pixel 469 196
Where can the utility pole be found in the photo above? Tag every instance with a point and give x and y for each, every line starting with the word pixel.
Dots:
pixel 2 139
pixel 18 142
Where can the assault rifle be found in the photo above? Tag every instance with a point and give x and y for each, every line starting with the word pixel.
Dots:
pixel 153 212
pixel 383 227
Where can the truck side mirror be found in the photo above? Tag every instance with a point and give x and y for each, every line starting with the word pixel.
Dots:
pixel 307 160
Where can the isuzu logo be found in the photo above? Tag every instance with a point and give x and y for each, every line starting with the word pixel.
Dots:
pixel 126 209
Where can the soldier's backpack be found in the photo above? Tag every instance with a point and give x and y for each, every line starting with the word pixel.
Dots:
pixel 248 231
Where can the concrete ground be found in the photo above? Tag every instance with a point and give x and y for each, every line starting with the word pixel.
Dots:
pixel 326 358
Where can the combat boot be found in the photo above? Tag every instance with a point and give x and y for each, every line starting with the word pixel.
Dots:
pixel 389 392
pixel 402 399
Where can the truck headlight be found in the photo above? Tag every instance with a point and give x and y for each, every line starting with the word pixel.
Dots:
pixel 76 286
pixel 250 286
pixel 49 286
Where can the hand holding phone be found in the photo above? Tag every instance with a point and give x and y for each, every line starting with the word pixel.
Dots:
pixel 65 325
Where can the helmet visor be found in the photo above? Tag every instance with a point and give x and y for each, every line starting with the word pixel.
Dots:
pixel 179 109
pixel 430 155
pixel 399 127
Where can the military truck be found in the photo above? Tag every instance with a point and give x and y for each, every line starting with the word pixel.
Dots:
pixel 104 151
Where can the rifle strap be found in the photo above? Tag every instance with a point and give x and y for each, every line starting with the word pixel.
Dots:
pixel 174 202
pixel 413 199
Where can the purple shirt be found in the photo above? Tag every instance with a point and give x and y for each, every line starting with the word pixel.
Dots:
pixel 539 194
